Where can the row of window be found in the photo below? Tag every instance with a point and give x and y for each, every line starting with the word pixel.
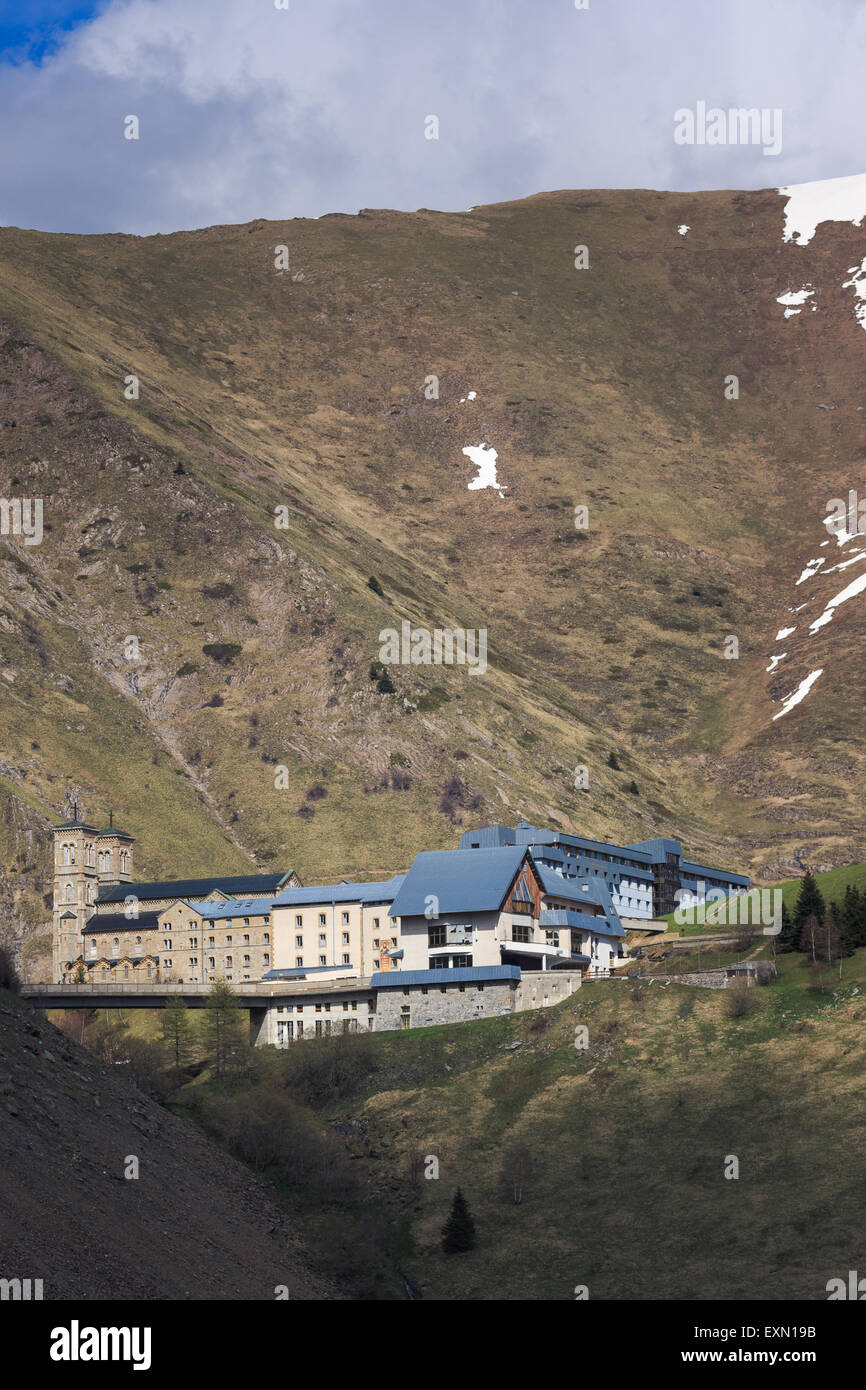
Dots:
pixel 323 921
pixel 99 860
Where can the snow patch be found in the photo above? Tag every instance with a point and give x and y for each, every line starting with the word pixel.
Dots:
pixel 784 632
pixel 683 228
pixel 774 660
pixel 812 567
pixel 858 281
pixel 827 200
pixel 855 587
pixel 484 458
pixel 800 693
pixel 470 397
pixel 796 297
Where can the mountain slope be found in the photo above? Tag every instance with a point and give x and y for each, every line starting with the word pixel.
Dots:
pixel 304 389
pixel 193 1224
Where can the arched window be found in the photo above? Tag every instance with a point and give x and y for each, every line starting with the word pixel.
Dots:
pixel 71 854
pixel 65 849
pixel 69 892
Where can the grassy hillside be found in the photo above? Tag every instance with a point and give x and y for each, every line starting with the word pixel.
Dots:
pixel 628 1139
pixel 305 390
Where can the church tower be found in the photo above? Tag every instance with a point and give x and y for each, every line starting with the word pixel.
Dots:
pixel 85 860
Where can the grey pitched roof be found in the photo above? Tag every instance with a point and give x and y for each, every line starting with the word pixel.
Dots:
pixel 584 921
pixel 116 921
pixel 196 887
pixel 382 891
pixel 461 882
pixel 477 974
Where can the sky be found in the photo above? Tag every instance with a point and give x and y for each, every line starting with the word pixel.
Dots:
pixel 245 110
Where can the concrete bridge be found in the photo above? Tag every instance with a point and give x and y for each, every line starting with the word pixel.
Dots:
pixel 259 997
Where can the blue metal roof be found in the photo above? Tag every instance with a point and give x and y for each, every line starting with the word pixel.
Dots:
pixel 298 972
pixel 658 848
pixel 687 868
pixel 581 865
pixel 523 833
pixel 475 882
pixel 383 891
pixel 567 917
pixel 390 979
pixel 233 907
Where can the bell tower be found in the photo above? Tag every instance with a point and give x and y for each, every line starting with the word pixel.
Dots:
pixel 113 855
pixel 76 887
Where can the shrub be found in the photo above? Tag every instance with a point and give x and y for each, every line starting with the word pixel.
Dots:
pixel 373 583
pixel 320 1070
pixel 222 652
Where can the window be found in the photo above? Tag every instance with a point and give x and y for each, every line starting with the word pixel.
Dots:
pixel 345 938
pixel 267 960
pixel 167 964
pixel 322 939
pixel 299 921
pixel 355 1005
pixel 321 919
pixel 229 960
pixel 246 921
pixel 211 961
pixel 323 960
pixel 228 940
pixel 299 941
pixel 318 1008
pixel 375 924
pixel 210 940
pixel 345 919
pixel 299 960
pixel 437 936
pixel 346 960
pixel 126 972
pixel 246 960
pixel 267 936
pixel 69 892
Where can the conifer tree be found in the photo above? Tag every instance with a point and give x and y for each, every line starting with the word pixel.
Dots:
pixel 177 1029
pixel 788 939
pixel 458 1233
pixel 810 902
pixel 222 1024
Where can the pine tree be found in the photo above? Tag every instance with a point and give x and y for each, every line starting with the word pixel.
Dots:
pixel 810 902
pixel 458 1233
pixel 788 939
pixel 222 1024
pixel 177 1029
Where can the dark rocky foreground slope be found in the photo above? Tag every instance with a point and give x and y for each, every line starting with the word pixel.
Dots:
pixel 194 1225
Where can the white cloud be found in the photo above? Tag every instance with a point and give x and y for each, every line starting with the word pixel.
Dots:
pixel 248 111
